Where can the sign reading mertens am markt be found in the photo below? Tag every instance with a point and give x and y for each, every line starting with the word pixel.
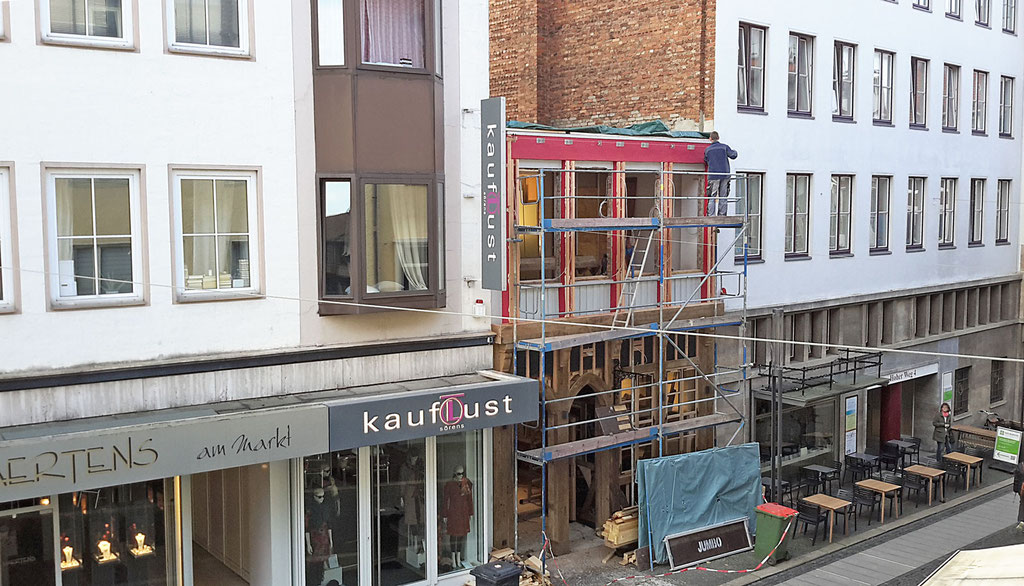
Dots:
pixel 40 466
pixel 401 416
pixel 492 197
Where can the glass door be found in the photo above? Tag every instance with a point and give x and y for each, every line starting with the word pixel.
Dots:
pixel 27 547
pixel 398 499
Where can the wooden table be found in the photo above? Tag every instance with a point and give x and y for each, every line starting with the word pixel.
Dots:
pixel 932 474
pixel 882 488
pixel 965 460
pixel 830 504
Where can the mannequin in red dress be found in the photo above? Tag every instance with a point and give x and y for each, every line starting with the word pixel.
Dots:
pixel 457 509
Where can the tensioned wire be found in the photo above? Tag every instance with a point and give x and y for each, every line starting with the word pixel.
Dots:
pixel 563 322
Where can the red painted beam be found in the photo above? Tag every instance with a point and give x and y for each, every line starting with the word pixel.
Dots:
pixel 607 148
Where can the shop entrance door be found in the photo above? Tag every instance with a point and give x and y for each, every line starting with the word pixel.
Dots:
pixel 26 548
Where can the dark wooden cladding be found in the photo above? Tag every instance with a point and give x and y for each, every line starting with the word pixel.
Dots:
pixel 333 116
pixel 395 125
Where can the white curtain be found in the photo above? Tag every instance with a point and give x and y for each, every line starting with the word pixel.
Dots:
pixel 408 222
pixel 393 32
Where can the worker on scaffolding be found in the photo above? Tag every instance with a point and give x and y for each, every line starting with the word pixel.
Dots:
pixel 716 157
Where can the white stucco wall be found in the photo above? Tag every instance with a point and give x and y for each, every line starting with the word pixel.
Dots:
pixel 152 109
pixel 776 144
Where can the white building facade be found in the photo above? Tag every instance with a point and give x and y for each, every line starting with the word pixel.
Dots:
pixel 883 142
pixel 181 399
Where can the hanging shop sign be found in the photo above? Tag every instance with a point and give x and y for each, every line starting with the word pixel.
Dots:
pixel 413 415
pixel 709 543
pixel 493 197
pixel 60 463
pixel 1007 445
pixel 912 373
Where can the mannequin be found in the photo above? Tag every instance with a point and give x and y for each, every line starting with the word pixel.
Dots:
pixel 457 509
pixel 319 537
pixel 411 478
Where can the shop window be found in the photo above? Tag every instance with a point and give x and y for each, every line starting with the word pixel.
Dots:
pixel 961 391
pixel 808 435
pixel 331 517
pixel 460 468
pixel 394 32
pixel 399 530
pixel 102 23
pixel 209 26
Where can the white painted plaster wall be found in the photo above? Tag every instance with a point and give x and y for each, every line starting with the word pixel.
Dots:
pixel 776 144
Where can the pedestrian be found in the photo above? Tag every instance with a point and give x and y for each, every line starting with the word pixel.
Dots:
pixel 1018 489
pixel 942 435
pixel 716 157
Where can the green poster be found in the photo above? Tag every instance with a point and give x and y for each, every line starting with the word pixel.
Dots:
pixel 1007 445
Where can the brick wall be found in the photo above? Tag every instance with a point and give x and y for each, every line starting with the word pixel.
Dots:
pixel 570 62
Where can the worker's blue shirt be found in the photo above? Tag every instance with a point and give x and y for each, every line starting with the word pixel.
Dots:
pixel 717 156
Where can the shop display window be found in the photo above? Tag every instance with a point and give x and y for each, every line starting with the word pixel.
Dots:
pixel 27 543
pixel 398 492
pixel 331 519
pixel 808 435
pixel 459 484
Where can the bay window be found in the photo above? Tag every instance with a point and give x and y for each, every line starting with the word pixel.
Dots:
pixel 801 73
pixel 394 32
pixel 102 23
pixel 842 80
pixel 218 27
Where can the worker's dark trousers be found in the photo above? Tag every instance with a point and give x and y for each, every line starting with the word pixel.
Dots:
pixel 1020 511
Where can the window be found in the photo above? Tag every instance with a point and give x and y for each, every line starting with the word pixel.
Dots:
pixel 996 388
pixel 1003 211
pixel 383 245
pixel 882 85
pixel 979 103
pixel 1005 106
pixel 1009 16
pixel 983 11
pixel 953 8
pixel 950 96
pixel 839 214
pixel 750 72
pixel 842 81
pixel 798 188
pixel 881 188
pixel 977 216
pixel 923 4
pixel 102 23
pixel 330 29
pixel 219 27
pixel 394 33
pixel 961 391
pixel 3 25
pixel 919 92
pixel 947 208
pixel 7 270
pixel 749 203
pixel 915 213
pixel 95 247
pixel 217 234
pixel 801 79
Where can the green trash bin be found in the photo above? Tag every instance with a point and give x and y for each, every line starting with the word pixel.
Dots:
pixel 772 521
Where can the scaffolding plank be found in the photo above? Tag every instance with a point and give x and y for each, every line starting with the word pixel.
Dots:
pixel 697 221
pixel 597 444
pixel 573 340
pixel 591 224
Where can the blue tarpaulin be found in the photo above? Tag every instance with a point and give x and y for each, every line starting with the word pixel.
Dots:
pixel 691 491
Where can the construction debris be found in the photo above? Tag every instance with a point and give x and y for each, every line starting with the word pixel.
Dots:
pixel 628 558
pixel 533 576
pixel 622 528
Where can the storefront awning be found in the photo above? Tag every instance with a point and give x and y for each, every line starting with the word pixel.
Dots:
pixel 813 394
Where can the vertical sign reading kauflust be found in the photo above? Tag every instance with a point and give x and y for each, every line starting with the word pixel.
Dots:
pixel 492 200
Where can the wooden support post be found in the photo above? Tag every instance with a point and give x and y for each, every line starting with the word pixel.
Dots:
pixel 706 362
pixel 504 509
pixel 559 487
pixel 606 475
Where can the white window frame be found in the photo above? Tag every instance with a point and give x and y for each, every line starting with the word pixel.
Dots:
pixel 1010 16
pixel 746 69
pixel 916 90
pixel 330 16
pixel 840 214
pixel 3 21
pixel 843 76
pixel 953 8
pixel 915 211
pixel 1003 211
pixel 125 41
pixel 8 262
pixel 139 280
pixel 923 4
pixel 979 103
pixel 793 217
pixel 243 49
pixel 947 211
pixel 253 201
pixel 881 197
pixel 976 219
pixel 983 12
pixel 755 234
pixel 950 97
pixel 1005 106
pixel 882 85
pixel 805 47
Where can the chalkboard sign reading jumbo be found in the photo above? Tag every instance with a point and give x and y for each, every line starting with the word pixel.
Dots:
pixel 708 543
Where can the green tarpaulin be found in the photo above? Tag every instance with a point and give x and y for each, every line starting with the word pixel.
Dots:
pixel 655 128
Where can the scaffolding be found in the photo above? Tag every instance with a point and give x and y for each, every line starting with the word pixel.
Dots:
pixel 645 404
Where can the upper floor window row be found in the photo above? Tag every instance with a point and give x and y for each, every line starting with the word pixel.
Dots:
pixel 217 27
pixel 982 12
pixel 392 33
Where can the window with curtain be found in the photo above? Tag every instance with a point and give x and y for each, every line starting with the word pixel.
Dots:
pixel 798 187
pixel 881 189
pixel 950 96
pixel 953 8
pixel 983 11
pixel 918 92
pixel 977 217
pixel 210 25
pixel 750 67
pixel 801 78
pixel 842 80
pixel 217 217
pixel 1009 16
pixel 397 243
pixel 749 203
pixel 915 212
pixel 839 214
pixel 394 32
pixel 1003 211
pixel 979 103
pixel 882 86
pixel 1005 106
pixel 100 22
pixel 947 210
